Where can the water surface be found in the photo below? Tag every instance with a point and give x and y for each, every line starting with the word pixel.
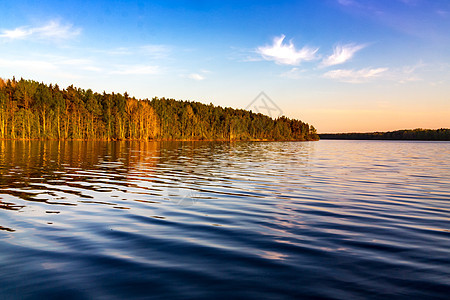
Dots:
pixel 126 220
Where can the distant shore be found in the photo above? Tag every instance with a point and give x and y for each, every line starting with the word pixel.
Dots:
pixel 418 134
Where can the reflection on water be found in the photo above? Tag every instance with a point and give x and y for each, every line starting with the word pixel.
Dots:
pixel 334 219
pixel 69 173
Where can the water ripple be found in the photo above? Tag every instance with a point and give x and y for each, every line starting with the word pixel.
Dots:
pixel 332 219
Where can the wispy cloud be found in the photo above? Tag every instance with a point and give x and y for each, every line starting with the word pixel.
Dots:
pixel 346 2
pixel 76 66
pixel 244 54
pixel 196 76
pixel 136 70
pixel 36 68
pixel 28 64
pixel 17 33
pixel 92 69
pixel 442 13
pixel 354 76
pixel 80 63
pixel 294 73
pixel 341 54
pixel 156 52
pixel 409 2
pixel 116 51
pixel 199 76
pixel 52 30
pixel 412 17
pixel 50 63
pixel 408 73
pixel 74 61
pixel 286 53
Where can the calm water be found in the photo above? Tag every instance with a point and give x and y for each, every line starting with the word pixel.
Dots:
pixel 117 220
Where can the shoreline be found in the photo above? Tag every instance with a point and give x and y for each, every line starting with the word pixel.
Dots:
pixel 158 140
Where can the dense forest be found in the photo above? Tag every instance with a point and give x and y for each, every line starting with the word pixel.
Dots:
pixel 442 134
pixel 33 110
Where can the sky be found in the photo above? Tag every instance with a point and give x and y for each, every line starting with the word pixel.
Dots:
pixel 340 65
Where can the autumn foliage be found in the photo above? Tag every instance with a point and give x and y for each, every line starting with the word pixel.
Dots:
pixel 33 110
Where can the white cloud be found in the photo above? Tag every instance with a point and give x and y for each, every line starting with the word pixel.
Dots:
pixel 355 76
pixel 56 30
pixel 196 76
pixel 286 54
pixel 341 54
pixel 53 30
pixel 17 33
pixel 201 75
pixel 136 70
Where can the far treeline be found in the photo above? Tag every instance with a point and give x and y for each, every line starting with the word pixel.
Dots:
pixel 33 110
pixel 419 134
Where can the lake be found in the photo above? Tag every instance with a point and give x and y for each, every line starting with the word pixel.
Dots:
pixel 244 220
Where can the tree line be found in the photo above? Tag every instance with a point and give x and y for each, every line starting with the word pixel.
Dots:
pixel 33 110
pixel 442 134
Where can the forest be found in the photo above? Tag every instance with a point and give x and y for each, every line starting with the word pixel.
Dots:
pixel 442 134
pixel 33 110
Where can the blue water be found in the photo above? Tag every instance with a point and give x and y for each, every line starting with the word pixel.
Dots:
pixel 205 220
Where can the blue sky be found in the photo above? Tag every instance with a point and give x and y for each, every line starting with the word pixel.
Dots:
pixel 341 65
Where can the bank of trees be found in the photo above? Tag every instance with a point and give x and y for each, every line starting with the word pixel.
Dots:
pixel 442 134
pixel 33 110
